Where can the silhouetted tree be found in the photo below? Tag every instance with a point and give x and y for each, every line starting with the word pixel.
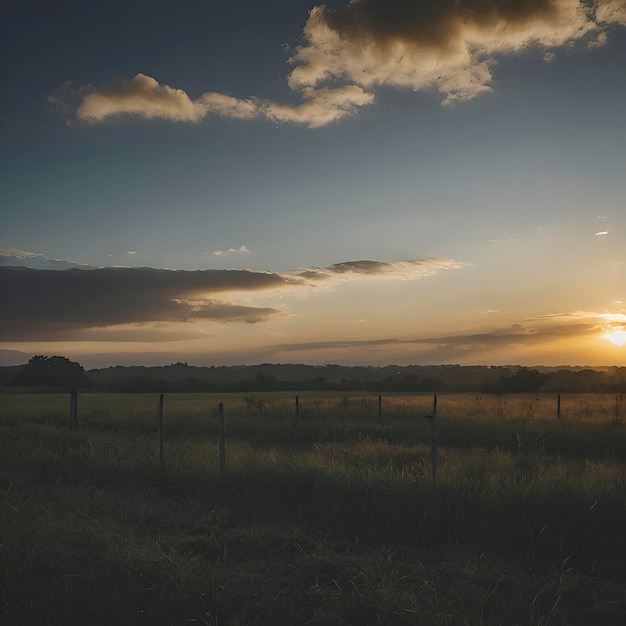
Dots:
pixel 51 371
pixel 523 380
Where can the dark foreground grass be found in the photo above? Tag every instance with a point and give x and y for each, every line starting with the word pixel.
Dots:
pixel 331 520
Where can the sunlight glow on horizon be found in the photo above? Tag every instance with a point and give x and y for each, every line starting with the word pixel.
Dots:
pixel 617 337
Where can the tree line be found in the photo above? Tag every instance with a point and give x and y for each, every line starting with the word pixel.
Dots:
pixel 58 372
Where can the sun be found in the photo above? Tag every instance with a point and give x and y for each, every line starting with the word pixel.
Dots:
pixel 618 337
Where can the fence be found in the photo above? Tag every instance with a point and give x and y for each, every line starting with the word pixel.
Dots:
pixel 381 411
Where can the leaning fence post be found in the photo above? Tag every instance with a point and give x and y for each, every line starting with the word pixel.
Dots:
pixel 74 409
pixel 161 449
pixel 221 441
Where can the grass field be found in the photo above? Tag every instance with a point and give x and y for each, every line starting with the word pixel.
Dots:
pixel 329 516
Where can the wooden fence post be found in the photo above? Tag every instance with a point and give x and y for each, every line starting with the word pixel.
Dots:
pixel 297 408
pixel 380 408
pixel 558 407
pixel 74 409
pixel 433 440
pixel 161 448
pixel 221 441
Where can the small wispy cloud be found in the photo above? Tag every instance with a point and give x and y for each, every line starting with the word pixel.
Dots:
pixel 131 252
pixel 35 260
pixel 350 51
pixel 239 250
pixel 404 270
pixel 602 232
pixel 450 346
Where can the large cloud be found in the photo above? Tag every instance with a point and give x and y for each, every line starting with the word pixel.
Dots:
pixel 40 305
pixel 446 46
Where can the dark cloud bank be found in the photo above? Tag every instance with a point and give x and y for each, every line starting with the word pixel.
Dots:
pixel 43 305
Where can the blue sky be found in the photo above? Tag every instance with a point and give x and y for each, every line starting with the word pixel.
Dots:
pixel 472 153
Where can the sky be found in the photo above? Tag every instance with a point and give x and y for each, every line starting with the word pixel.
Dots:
pixel 370 182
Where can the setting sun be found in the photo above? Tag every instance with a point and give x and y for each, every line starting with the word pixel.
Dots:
pixel 617 337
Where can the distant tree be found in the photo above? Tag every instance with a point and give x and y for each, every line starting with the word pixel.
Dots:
pixel 51 371
pixel 523 380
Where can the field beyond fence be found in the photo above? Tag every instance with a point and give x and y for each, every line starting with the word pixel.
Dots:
pixel 316 509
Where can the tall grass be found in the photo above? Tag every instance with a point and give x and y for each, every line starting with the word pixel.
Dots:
pixel 329 517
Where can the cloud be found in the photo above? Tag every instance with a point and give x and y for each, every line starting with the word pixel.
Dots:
pixel 22 258
pixel 446 46
pixel 321 107
pixel 144 96
pixel 40 305
pixel 239 250
pixel 611 12
pixel 485 346
pixel 365 268
pixel 102 303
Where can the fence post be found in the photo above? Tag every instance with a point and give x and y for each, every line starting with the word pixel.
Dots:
pixel 221 441
pixel 380 408
pixel 297 408
pixel 161 448
pixel 558 407
pixel 74 409
pixel 433 439
pixel 618 407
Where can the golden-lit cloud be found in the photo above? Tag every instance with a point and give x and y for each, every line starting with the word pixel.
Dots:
pixel 321 106
pixel 144 96
pixel 449 47
pixel 349 52
pixel 561 336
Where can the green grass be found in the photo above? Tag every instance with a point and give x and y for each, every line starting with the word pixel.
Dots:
pixel 330 518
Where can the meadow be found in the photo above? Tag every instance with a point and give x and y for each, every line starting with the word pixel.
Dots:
pixel 327 515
